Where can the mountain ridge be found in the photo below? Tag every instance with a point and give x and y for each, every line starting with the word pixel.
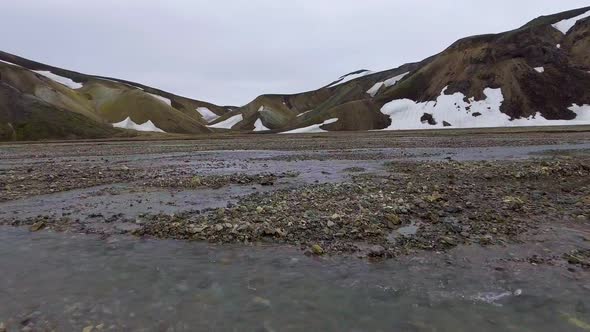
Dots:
pixel 512 78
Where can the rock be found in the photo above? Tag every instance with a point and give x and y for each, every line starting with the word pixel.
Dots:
pixel 88 329
pixel 453 224
pixel 331 224
pixel 261 301
pixel 2 327
pixel 219 227
pixel 392 220
pixel 335 216
pixel 37 226
pixel 486 240
pixel 194 229
pixel 267 181
pixel 316 249
pixel 448 241
pixel 433 198
pixel 377 251
pixel 259 209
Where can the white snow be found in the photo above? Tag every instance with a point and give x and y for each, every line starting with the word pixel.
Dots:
pixel 301 114
pixel 10 63
pixel 129 124
pixel 162 99
pixel 387 83
pixel 406 114
pixel 207 114
pixel 228 123
pixel 393 81
pixel 59 79
pixel 566 25
pixel 375 88
pixel 540 69
pixel 350 77
pixel 311 129
pixel 259 126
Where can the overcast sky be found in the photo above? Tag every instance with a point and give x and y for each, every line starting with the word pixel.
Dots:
pixel 228 52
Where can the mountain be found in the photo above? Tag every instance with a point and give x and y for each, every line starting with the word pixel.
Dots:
pixel 38 101
pixel 538 74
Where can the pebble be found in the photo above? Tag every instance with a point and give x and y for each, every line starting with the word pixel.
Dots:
pixel 316 249
pixel 376 251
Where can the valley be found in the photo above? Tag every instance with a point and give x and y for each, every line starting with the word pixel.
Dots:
pixel 508 207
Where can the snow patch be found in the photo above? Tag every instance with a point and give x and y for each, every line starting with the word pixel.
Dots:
pixel 129 124
pixel 301 114
pixel 228 123
pixel 375 88
pixel 453 109
pixel 350 77
pixel 207 115
pixel 393 81
pixel 387 83
pixel 162 99
pixel 540 69
pixel 566 25
pixel 311 129
pixel 10 63
pixel 259 126
pixel 60 79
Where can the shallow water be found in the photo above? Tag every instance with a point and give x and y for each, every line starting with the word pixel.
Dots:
pixel 68 282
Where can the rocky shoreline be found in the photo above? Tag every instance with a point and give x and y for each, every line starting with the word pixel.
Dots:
pixel 413 206
pixel 370 203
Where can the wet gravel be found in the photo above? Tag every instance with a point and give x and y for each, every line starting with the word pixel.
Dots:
pixel 379 203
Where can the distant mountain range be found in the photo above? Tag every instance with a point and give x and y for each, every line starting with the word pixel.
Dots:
pixel 538 74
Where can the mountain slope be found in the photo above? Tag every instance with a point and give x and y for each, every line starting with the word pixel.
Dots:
pixel 538 74
pixel 535 75
pixel 102 101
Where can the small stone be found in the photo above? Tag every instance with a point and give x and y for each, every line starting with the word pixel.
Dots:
pixel 448 241
pixel 335 216
pixel 88 329
pixel 259 209
pixel 376 251
pixel 194 229
pixel 392 220
pixel 37 226
pixel 317 250
pixel 2 327
pixel 486 240
pixel 219 227
pixel 331 223
pixel 261 301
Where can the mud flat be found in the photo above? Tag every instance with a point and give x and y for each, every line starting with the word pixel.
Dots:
pixel 475 224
